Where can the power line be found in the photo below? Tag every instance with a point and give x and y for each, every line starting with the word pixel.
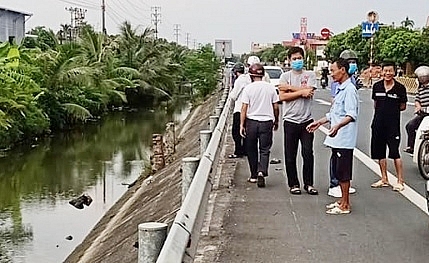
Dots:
pixel 81 4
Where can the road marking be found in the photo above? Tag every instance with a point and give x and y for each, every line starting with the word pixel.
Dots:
pixel 323 102
pixel 408 192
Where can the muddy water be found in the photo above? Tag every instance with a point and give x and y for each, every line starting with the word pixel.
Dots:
pixel 37 224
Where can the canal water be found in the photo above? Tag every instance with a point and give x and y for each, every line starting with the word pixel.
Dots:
pixel 37 223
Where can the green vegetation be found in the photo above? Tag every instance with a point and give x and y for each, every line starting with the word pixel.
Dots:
pixel 405 46
pixel 51 82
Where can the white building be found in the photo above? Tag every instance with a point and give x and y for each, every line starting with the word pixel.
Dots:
pixel 12 25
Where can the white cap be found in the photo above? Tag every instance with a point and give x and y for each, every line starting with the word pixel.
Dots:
pixel 253 60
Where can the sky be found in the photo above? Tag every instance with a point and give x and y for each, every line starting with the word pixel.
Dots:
pixel 242 21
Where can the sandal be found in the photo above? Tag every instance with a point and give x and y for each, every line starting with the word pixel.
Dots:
pixel 252 180
pixel 379 184
pixel 398 188
pixel 333 205
pixel 311 190
pixel 295 190
pixel 337 211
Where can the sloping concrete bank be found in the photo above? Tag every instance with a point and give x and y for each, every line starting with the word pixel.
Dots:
pixel 114 237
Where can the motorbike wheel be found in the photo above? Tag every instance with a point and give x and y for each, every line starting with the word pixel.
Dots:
pixel 423 159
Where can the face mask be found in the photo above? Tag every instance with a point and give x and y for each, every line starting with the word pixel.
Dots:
pixel 297 64
pixel 352 68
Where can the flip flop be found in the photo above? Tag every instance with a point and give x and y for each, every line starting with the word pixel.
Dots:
pixel 332 205
pixel 295 190
pixel 398 188
pixel 379 184
pixel 337 211
pixel 311 190
pixel 252 180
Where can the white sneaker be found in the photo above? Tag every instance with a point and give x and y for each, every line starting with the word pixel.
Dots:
pixel 335 192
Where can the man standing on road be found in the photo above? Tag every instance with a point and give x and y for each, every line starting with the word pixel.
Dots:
pixel 259 117
pixel 239 84
pixel 421 106
pixel 390 98
pixel 342 135
pixel 296 91
pixel 352 58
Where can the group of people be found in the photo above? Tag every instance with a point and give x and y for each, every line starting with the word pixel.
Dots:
pixel 256 116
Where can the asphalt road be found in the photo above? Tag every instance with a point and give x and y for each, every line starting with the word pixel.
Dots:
pixel 271 225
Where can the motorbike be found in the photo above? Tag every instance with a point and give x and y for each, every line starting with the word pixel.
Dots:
pixel 324 79
pixel 421 146
pixel 421 151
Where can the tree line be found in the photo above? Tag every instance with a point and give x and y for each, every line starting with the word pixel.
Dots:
pixel 404 45
pixel 48 84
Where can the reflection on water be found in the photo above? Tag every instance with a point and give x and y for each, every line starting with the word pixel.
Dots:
pixel 37 183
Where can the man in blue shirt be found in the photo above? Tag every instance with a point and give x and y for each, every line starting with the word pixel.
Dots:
pixel 342 135
pixel 351 57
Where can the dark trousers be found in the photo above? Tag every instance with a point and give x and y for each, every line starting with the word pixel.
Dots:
pixel 258 132
pixel 412 127
pixel 333 182
pixel 293 135
pixel 238 140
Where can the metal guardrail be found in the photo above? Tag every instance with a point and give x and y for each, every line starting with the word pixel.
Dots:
pixel 180 232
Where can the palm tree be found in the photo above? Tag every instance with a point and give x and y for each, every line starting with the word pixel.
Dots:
pixel 407 23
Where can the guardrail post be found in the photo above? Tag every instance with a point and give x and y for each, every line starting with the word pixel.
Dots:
pixel 213 122
pixel 189 167
pixel 152 236
pixel 218 110
pixel 205 136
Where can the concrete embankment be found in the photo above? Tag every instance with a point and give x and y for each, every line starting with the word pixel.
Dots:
pixel 156 199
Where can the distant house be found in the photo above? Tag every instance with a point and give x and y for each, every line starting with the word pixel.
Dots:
pixel 12 25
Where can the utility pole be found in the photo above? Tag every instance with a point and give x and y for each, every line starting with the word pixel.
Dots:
pixel 195 43
pixel 156 18
pixel 77 17
pixel 187 39
pixel 177 32
pixel 72 24
pixel 103 17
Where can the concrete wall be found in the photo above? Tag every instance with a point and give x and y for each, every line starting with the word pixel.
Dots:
pixel 11 24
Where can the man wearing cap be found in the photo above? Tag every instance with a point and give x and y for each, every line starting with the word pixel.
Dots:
pixel 259 117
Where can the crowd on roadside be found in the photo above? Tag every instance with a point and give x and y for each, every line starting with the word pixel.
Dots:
pixel 257 111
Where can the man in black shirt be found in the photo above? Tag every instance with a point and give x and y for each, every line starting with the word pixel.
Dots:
pixel 390 98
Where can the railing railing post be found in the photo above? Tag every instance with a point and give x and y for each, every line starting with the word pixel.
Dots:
pixel 218 110
pixel 213 122
pixel 189 167
pixel 205 136
pixel 152 236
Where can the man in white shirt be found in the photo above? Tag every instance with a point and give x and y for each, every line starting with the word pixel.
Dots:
pixel 239 84
pixel 259 117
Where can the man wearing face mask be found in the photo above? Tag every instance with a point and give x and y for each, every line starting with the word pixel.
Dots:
pixel 296 91
pixel 351 57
